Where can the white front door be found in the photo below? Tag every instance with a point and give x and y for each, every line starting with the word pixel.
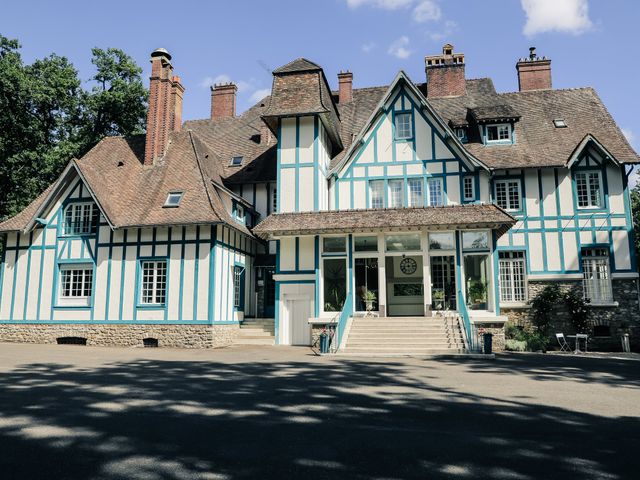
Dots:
pixel 298 312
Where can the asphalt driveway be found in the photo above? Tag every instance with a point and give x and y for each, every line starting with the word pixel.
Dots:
pixel 69 412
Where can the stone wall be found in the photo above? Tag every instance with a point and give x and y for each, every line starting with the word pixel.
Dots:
pixel 496 329
pixel 173 336
pixel 621 318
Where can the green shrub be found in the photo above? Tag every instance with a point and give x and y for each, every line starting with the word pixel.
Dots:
pixel 542 308
pixel 537 341
pixel 515 345
pixel 578 311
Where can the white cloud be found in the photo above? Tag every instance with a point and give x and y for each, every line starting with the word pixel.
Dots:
pixel 400 48
pixel 383 4
pixel 449 27
pixel 224 78
pixel 568 16
pixel 427 11
pixel 259 94
pixel 367 47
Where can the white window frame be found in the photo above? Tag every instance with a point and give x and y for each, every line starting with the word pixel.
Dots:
pixel 392 193
pixel 149 295
pixel 508 207
pixel 406 129
pixel 586 174
pixel 372 184
pixel 596 276
pixel 75 271
pixel 233 163
pixel 468 179
pixel 413 200
pixel 81 221
pixel 441 191
pixel 513 263
pixel 173 199
pixel 237 274
pixel 461 133
pixel 499 127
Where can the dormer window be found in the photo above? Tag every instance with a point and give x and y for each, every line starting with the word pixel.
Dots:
pixel 461 133
pixel 236 161
pixel 499 133
pixel 80 219
pixel 173 200
pixel 404 130
pixel 559 123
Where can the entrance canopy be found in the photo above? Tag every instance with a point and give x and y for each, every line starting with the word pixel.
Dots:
pixel 452 217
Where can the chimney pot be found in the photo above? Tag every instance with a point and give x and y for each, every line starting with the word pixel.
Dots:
pixel 345 86
pixel 165 105
pixel 534 73
pixel 223 100
pixel 445 73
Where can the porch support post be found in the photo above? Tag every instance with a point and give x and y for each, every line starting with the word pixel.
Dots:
pixel 459 274
pixel 382 277
pixel 426 273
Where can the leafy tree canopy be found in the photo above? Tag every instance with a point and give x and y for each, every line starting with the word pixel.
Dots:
pixel 47 117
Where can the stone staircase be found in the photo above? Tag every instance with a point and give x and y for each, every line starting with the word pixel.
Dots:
pixel 404 336
pixel 256 331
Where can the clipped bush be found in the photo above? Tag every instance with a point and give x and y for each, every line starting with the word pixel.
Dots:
pixel 515 345
pixel 542 308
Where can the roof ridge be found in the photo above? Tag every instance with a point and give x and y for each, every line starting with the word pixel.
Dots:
pixel 569 89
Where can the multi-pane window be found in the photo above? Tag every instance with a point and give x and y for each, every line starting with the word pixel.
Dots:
pixel 416 197
pixel 469 190
pixel 588 187
pixel 274 207
pixel 461 133
pixel 79 219
pixel 396 193
pixel 508 194
pixel 154 282
pixel 596 278
pixel 403 126
pixel 513 281
pixel 237 287
pixel 376 193
pixel 435 192
pixel 496 133
pixel 76 282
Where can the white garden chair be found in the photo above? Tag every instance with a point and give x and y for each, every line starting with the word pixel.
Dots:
pixel 562 341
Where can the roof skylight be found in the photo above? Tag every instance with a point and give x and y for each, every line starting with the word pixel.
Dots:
pixel 236 161
pixel 173 199
pixel 559 123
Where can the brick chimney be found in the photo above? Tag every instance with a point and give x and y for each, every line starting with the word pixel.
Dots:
pixel 165 106
pixel 223 100
pixel 445 74
pixel 345 87
pixel 534 73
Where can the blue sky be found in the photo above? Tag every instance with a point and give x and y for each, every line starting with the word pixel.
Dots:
pixel 591 42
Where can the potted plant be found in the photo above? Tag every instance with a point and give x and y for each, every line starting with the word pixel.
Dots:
pixel 478 294
pixel 369 297
pixel 438 299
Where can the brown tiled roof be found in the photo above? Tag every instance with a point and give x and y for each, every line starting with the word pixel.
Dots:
pixel 344 221
pixel 19 221
pixel 239 136
pixel 301 88
pixel 132 194
pixel 538 142
pixel 493 113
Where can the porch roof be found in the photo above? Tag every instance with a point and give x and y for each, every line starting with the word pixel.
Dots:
pixel 350 221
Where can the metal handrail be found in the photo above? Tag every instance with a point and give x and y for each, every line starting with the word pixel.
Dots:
pixel 345 314
pixel 466 323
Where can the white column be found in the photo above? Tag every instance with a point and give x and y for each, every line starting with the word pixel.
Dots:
pixel 426 271
pixel 382 277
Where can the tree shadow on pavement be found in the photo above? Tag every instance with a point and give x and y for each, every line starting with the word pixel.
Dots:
pixel 154 419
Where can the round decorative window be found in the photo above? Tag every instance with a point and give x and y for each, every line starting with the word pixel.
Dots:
pixel 408 266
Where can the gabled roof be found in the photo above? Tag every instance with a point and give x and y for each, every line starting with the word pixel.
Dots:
pixel 131 194
pixel 494 113
pixel 444 130
pixel 345 221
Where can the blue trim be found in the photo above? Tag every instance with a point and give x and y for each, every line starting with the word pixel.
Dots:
pixel 138 288
pixel 181 286
pixel 297 159
pixel 212 276
pixel 115 322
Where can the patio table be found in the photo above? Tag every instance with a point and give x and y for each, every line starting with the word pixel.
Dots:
pixel 576 339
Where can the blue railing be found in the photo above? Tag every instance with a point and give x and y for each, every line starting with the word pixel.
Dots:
pixel 466 323
pixel 347 311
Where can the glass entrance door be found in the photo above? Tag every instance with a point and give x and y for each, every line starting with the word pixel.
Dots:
pixel 443 282
pixel 366 273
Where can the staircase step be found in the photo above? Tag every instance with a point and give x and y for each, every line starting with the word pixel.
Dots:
pixel 407 353
pixel 254 341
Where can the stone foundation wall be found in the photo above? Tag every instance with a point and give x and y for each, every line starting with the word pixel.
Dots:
pixel 173 336
pixel 625 317
pixel 496 329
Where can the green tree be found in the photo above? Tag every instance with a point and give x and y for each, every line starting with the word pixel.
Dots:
pixel 47 118
pixel 635 209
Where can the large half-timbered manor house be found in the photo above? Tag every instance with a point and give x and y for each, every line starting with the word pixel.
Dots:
pixel 399 207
